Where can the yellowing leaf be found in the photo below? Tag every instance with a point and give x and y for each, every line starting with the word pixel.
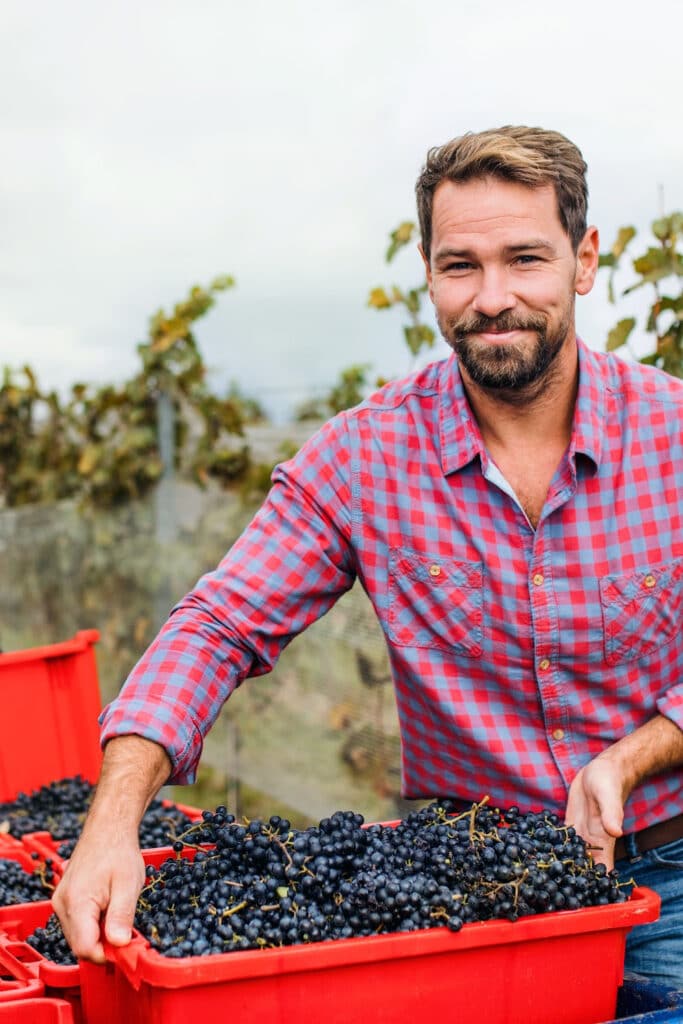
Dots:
pixel 89 458
pixel 619 334
pixel 624 236
pixel 379 299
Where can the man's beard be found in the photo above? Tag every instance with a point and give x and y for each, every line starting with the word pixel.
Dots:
pixel 509 369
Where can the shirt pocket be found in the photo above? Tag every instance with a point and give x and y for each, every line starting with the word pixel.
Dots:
pixel 641 610
pixel 435 603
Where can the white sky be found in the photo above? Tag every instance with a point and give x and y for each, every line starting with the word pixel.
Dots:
pixel 149 146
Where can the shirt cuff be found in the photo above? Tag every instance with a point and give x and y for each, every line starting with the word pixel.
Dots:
pixel 671 706
pixel 181 739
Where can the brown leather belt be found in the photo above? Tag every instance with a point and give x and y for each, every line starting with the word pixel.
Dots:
pixel 651 837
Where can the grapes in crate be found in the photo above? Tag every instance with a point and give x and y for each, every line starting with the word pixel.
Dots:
pixel 265 885
pixel 60 809
pixel 17 885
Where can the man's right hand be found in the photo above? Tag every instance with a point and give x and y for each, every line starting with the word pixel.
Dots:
pixel 99 892
pixel 105 874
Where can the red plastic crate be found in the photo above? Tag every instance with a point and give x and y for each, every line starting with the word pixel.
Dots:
pixel 23 857
pixel 23 961
pixel 50 703
pixel 562 967
pixel 9 843
pixel 36 1011
pixel 16 982
pixel 46 846
pixel 13 989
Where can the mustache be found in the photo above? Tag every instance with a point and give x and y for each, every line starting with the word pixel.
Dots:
pixel 502 322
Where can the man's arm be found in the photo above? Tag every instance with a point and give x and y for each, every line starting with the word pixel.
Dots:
pixel 287 569
pixel 105 872
pixel 595 806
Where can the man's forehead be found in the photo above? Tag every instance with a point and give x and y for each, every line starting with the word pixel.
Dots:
pixel 486 204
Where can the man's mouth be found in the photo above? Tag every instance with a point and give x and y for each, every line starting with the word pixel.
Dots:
pixel 493 335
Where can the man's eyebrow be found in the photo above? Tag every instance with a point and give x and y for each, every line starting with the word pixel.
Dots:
pixel 533 244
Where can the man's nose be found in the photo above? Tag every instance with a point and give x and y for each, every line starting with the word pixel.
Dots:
pixel 493 295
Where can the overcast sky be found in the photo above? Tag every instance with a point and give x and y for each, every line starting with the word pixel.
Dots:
pixel 149 146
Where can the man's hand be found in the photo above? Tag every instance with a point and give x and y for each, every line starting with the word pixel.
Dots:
pixel 100 887
pixel 105 873
pixel 595 805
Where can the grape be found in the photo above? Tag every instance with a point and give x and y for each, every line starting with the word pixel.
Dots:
pixel 60 809
pixel 20 886
pixel 51 943
pixel 266 885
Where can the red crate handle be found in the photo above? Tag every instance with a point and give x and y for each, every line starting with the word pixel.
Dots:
pixel 14 967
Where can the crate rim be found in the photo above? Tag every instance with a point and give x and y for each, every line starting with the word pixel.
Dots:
pixel 81 641
pixel 140 963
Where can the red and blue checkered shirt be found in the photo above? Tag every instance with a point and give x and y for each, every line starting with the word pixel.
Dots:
pixel 517 654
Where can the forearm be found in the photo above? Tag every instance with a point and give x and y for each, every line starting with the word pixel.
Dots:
pixel 133 771
pixel 598 793
pixel 654 747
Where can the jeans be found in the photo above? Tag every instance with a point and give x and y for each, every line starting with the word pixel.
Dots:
pixel 656 950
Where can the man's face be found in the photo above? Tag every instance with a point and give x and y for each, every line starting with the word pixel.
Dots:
pixel 502 276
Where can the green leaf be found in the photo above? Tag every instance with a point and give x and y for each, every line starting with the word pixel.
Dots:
pixel 624 236
pixel 412 300
pixel 606 259
pixel 619 334
pixel 399 238
pixel 222 283
pixel 418 336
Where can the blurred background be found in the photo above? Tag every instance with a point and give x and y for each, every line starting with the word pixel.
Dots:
pixel 197 205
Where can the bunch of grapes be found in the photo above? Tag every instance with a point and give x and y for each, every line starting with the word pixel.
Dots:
pixel 51 943
pixel 60 809
pixel 20 886
pixel 265 884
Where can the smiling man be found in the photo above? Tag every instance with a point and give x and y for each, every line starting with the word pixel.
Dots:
pixel 514 515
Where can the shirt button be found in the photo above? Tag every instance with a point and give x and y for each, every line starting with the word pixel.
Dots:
pixel 537 579
pixel 434 570
pixel 649 580
pixel 544 664
pixel 558 734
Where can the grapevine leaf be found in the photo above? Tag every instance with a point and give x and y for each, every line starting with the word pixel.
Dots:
pixel 399 238
pixel 624 236
pixel 379 299
pixel 619 334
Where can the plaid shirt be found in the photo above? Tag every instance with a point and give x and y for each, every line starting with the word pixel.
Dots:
pixel 517 654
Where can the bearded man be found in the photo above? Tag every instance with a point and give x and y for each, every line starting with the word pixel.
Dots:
pixel 514 516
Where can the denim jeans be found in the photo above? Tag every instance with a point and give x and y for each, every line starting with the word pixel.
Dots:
pixel 656 950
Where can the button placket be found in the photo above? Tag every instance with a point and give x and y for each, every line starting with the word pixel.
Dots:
pixel 544 628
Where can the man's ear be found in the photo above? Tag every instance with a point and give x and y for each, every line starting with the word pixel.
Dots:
pixel 587 256
pixel 428 270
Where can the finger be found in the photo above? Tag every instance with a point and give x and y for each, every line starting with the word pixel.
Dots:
pixel 118 923
pixel 81 926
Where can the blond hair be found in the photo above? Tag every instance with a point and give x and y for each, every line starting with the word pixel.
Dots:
pixel 529 156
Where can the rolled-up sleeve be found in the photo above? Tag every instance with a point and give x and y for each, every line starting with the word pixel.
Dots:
pixel 286 570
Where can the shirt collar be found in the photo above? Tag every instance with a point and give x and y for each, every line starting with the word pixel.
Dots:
pixel 590 412
pixel 461 440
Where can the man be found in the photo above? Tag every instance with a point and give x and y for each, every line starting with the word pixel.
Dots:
pixel 514 514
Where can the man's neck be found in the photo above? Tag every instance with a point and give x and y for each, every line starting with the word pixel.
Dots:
pixel 528 439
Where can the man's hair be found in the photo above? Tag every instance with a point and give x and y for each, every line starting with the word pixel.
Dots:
pixel 529 156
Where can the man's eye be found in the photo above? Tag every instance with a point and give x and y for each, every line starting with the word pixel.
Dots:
pixel 460 265
pixel 528 258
